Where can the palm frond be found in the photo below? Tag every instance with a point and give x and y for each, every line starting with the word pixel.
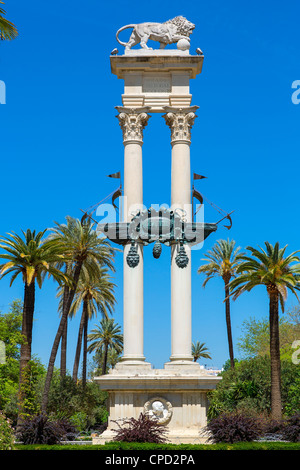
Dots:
pixel 270 268
pixel 31 256
pixel 222 260
pixel 8 30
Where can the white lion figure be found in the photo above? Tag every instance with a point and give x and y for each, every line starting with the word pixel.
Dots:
pixel 165 33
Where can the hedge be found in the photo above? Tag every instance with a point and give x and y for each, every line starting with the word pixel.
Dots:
pixel 167 447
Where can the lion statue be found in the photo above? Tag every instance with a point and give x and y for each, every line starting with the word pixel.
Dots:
pixel 165 33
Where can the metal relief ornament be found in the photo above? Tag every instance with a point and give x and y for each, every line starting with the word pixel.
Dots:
pixel 133 258
pixel 157 249
pixel 182 258
pixel 162 226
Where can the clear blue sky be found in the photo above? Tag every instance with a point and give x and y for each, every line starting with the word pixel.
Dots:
pixel 60 138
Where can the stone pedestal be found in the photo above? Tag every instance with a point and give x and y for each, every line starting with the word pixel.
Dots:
pixel 156 78
pixel 181 392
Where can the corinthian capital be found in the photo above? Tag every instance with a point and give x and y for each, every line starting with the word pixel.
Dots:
pixel 132 122
pixel 180 121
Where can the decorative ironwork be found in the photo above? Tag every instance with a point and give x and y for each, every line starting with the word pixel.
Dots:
pixel 163 226
pixel 157 249
pixel 151 225
pixel 182 259
pixel 133 258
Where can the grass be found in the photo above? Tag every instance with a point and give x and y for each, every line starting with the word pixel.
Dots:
pixel 153 447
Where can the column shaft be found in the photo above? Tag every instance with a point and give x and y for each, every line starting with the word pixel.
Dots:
pixel 180 122
pixel 133 278
pixel 132 122
pixel 181 299
pixel 133 178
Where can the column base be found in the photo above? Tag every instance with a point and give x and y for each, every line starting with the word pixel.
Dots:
pixel 182 362
pixel 131 364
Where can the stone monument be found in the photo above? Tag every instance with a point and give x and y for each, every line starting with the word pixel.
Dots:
pixel 158 81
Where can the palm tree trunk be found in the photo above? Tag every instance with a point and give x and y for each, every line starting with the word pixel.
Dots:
pixel 84 362
pixel 228 323
pixel 25 353
pixel 105 359
pixel 78 347
pixel 63 353
pixel 275 357
pixel 60 330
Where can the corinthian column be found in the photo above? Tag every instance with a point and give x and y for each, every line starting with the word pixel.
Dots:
pixel 180 122
pixel 132 122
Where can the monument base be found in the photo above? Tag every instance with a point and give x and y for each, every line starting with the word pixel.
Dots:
pixel 177 396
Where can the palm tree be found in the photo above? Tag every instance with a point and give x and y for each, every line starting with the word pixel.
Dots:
pixel 200 350
pixel 106 336
pixel 222 262
pixel 63 352
pixel 71 236
pixel 272 269
pixel 8 30
pixel 96 295
pixel 32 258
pixel 113 357
pixel 82 245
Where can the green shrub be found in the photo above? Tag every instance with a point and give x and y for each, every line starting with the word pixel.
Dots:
pixel 248 387
pixel 101 415
pixel 6 434
pixel 80 421
pixel 87 405
pixel 292 404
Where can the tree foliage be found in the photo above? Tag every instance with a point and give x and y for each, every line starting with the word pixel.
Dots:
pixel 248 388
pixel 279 273
pixel 10 334
pixel 8 30
pixel 68 399
pixel 85 251
pixel 255 338
pixel 6 433
pixel 106 336
pixel 222 261
pixel 199 350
